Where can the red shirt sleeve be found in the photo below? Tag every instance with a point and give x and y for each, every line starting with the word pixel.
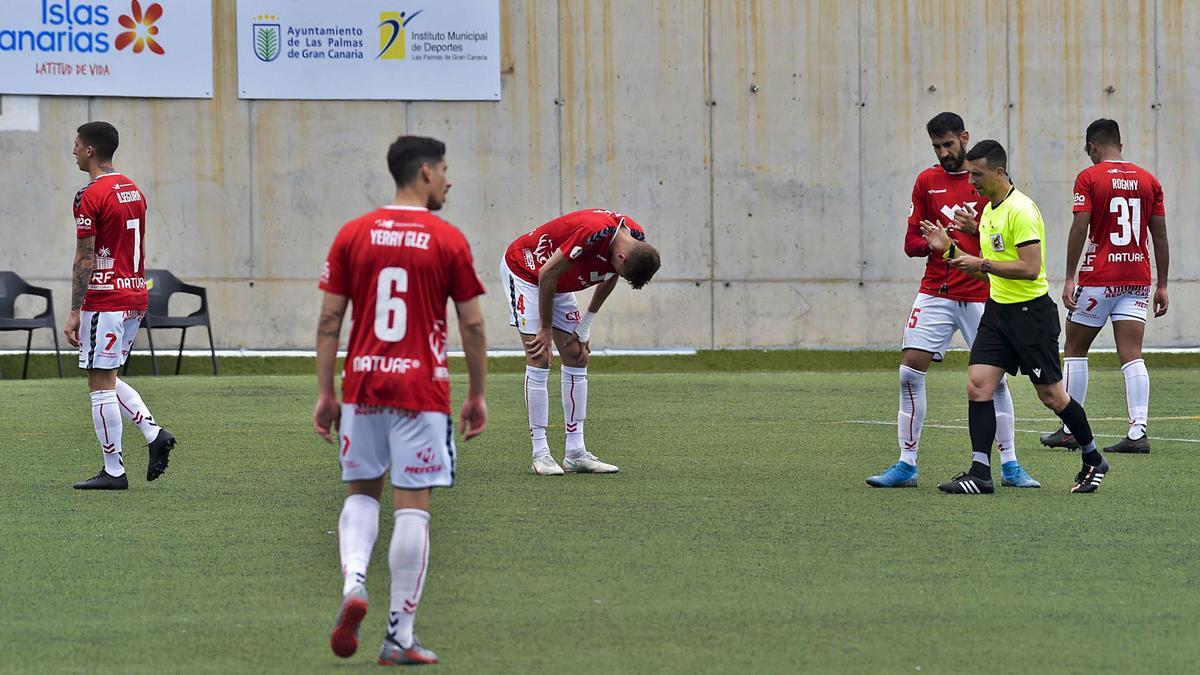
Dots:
pixel 464 281
pixel 335 275
pixel 1083 193
pixel 1160 208
pixel 87 214
pixel 915 245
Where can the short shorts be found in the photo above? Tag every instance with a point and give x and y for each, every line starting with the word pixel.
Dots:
pixel 105 338
pixel 417 446
pixel 1096 304
pixel 933 320
pixel 1020 335
pixel 523 310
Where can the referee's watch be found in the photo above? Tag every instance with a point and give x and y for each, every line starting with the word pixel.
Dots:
pixel 949 254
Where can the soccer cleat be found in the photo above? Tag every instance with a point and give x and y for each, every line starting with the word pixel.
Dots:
pixel 1127 444
pixel 104 481
pixel 344 638
pixel 966 484
pixel 544 465
pixel 1013 474
pixel 1060 439
pixel 1089 477
pixel 393 654
pixel 160 451
pixel 587 463
pixel 900 474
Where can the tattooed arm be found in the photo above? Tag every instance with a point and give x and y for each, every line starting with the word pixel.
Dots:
pixel 81 273
pixel 329 331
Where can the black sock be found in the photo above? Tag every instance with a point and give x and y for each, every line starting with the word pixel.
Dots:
pixel 981 419
pixel 1076 420
pixel 981 470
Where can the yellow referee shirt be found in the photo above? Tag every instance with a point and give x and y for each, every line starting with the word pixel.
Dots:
pixel 1015 221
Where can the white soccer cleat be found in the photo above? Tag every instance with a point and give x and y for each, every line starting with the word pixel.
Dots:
pixel 587 463
pixel 544 465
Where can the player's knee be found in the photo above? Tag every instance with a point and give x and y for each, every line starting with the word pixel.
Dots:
pixel 1054 398
pixel 979 390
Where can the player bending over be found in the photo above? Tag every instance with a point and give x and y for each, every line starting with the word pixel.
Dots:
pixel 541 271
pixel 397 266
pixel 108 302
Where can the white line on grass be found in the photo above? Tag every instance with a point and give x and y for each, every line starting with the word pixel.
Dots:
pixel 892 423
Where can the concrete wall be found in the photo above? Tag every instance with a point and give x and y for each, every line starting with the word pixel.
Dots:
pixel 769 148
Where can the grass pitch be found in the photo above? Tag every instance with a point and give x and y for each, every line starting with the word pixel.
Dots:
pixel 738 537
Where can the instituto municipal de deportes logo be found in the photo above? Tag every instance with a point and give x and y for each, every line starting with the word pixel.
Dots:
pixel 266 37
pixel 391 34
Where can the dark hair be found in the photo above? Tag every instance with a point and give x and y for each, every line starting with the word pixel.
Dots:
pixel 408 153
pixel 1104 132
pixel 102 136
pixel 990 150
pixel 945 123
pixel 641 264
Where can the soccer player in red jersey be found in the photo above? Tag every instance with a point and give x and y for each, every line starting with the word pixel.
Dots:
pixel 541 271
pixel 1117 203
pixel 947 301
pixel 108 301
pixel 397 266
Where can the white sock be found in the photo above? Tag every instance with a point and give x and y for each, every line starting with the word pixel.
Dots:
pixel 1137 396
pixel 1075 375
pixel 537 404
pixel 1006 423
pixel 982 458
pixel 574 402
pixel 912 413
pixel 409 560
pixel 106 419
pixel 358 527
pixel 133 409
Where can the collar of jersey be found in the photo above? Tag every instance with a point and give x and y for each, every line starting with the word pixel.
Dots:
pixel 402 207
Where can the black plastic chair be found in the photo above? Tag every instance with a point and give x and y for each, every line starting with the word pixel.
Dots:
pixel 11 287
pixel 162 285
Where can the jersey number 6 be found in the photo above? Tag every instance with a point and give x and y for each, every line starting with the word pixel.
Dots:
pixel 391 312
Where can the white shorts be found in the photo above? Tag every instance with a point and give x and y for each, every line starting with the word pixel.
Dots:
pixel 105 338
pixel 523 309
pixel 1096 304
pixel 418 446
pixel 933 320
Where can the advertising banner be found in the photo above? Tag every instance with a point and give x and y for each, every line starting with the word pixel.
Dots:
pixel 107 48
pixel 446 50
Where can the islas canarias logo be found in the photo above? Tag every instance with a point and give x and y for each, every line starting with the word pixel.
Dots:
pixel 392 34
pixel 140 28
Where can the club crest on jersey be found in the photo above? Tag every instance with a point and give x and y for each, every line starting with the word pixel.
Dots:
pixel 576 252
pixel 997 242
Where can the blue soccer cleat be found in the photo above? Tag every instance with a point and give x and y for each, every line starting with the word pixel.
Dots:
pixel 900 474
pixel 1014 475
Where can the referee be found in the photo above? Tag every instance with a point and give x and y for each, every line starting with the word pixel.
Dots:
pixel 1019 328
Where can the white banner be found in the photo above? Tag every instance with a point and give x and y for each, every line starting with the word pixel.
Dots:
pixel 160 48
pixel 447 50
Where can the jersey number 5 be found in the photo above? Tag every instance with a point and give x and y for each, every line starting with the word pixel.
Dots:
pixel 1129 217
pixel 391 312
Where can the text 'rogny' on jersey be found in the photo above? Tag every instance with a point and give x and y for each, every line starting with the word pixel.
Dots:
pixel 937 195
pixel 112 209
pixel 1121 197
pixel 585 238
pixel 399 265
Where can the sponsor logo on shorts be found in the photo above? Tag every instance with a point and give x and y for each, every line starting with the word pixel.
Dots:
pixel 1118 291
pixel 432 468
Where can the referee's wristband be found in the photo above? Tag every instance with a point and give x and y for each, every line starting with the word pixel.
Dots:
pixel 950 251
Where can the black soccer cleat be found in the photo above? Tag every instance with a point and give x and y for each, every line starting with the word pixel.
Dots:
pixel 1140 446
pixel 1089 477
pixel 104 481
pixel 1060 439
pixel 160 453
pixel 966 484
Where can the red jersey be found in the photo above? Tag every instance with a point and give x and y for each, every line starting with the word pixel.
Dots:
pixel 585 237
pixel 112 209
pixel 1121 197
pixel 936 195
pixel 399 265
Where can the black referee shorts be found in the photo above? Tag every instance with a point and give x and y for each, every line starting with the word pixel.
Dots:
pixel 1022 335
